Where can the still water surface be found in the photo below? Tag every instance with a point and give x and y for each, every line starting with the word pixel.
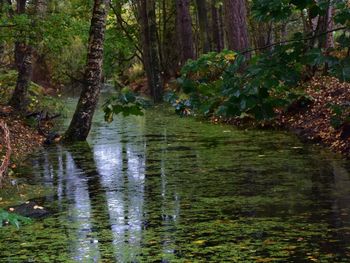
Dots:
pixel 160 188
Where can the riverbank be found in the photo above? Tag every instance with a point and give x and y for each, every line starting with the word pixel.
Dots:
pixel 324 116
pixel 24 138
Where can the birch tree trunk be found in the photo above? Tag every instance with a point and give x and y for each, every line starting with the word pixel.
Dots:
pixel 81 123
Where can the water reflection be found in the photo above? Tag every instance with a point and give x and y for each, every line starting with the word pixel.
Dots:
pixel 148 189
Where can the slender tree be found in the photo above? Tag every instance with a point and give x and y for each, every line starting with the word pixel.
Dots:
pixel 236 25
pixel 2 44
pixel 24 65
pixel 151 60
pixel 184 29
pixel 81 123
pixel 168 37
pixel 216 27
pixel 156 80
pixel 24 55
pixel 203 25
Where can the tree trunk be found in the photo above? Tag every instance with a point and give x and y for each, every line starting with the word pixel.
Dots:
pixel 236 25
pixel 217 32
pixel 330 26
pixel 2 43
pixel 284 31
pixel 24 64
pixel 262 35
pixel 169 37
pixel 147 20
pixel 184 24
pixel 81 123
pixel 203 25
pixel 154 80
pixel 321 24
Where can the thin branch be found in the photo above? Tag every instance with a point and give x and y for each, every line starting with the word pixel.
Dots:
pixel 294 40
pixel 121 22
pixel 7 26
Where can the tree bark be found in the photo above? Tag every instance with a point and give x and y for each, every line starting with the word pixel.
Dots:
pixel 24 65
pixel 147 21
pixel 263 34
pixel 203 25
pixel 169 37
pixel 81 123
pixel 236 25
pixel 184 29
pixel 2 43
pixel 24 62
pixel 154 80
pixel 322 24
pixel 217 32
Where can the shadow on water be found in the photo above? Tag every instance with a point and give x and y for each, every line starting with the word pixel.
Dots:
pixel 163 189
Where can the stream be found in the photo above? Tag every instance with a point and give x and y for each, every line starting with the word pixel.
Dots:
pixel 160 188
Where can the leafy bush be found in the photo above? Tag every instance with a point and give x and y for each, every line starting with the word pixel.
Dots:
pixel 340 114
pixel 125 102
pixel 12 219
pixel 225 84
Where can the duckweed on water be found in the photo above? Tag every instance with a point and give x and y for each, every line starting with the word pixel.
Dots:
pixel 162 189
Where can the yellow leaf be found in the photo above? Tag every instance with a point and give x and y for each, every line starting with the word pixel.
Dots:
pixel 199 242
pixel 230 57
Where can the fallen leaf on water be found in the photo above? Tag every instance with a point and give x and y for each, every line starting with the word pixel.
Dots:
pixel 199 242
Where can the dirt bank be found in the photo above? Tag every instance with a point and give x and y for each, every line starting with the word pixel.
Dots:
pixel 24 138
pixel 325 118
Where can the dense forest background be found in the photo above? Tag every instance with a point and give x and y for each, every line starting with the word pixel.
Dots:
pixel 217 58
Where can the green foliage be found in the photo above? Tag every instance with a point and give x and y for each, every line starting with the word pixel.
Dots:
pixel 279 10
pixel 12 219
pixel 343 12
pixel 257 88
pixel 126 102
pixel 224 84
pixel 341 114
pixel 183 106
pixel 37 99
pixel 120 42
